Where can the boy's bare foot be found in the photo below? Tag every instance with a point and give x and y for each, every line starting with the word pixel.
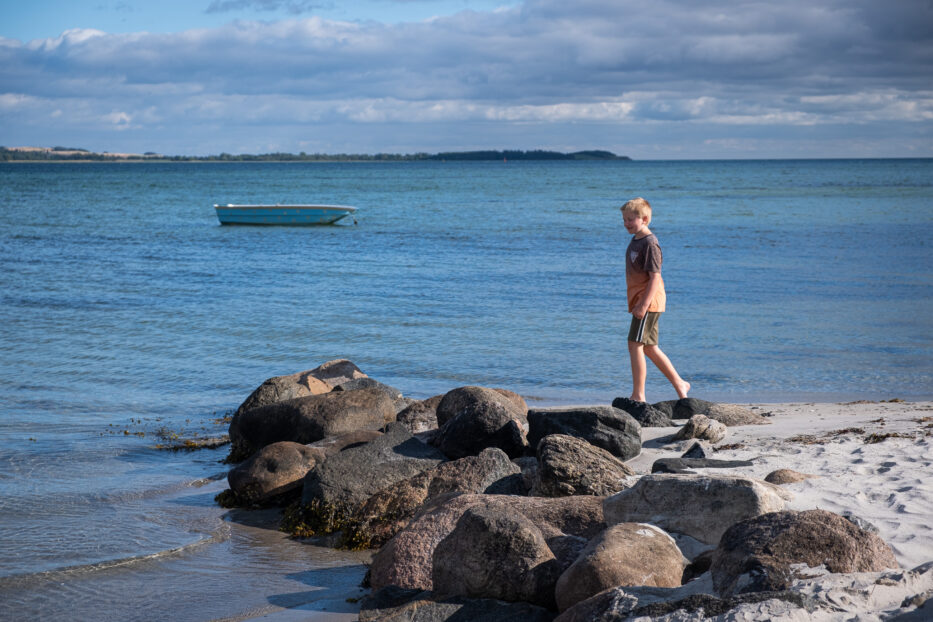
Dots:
pixel 637 398
pixel 682 389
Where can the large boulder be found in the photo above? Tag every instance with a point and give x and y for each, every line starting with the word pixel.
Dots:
pixel 273 471
pixel 389 510
pixel 421 416
pixel 347 479
pixel 700 506
pixel 493 552
pixel 703 428
pixel 769 552
pixel 645 414
pixel 603 426
pixel 337 372
pixel 567 524
pixel 392 604
pixel 624 554
pixel 568 465
pixel 281 388
pixel 474 418
pixel 308 419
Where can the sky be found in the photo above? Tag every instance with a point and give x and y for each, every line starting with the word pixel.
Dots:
pixel 659 79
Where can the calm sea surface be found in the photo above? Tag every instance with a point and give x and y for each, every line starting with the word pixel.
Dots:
pixel 128 313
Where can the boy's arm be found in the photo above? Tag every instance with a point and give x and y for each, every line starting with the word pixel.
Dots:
pixel 654 285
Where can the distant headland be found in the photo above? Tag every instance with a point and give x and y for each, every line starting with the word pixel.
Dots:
pixel 75 154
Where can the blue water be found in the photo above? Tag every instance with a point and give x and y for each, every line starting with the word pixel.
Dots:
pixel 126 310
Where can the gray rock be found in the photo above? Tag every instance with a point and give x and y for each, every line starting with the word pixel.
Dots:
pixel 406 560
pixel 393 604
pixel 700 506
pixel 666 407
pixel 337 372
pixel 685 465
pixel 687 407
pixel 348 479
pixel 400 401
pixel 699 449
pixel 495 553
pixel 529 467
pixel 767 553
pixel 624 554
pixel 732 415
pixel 474 418
pixel 568 465
pixel 421 416
pixel 273 471
pixel 308 419
pixel 612 429
pixel 645 414
pixel 281 388
pixel 703 428
pixel 391 509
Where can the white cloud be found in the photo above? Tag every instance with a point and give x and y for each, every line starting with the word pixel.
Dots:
pixel 548 64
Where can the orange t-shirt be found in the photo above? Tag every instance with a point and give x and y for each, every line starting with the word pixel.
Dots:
pixel 642 257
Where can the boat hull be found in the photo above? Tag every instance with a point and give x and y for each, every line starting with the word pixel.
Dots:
pixel 281 214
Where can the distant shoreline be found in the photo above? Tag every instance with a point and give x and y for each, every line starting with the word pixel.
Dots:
pixel 62 154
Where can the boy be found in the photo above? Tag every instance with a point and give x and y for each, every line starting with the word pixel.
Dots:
pixel 646 300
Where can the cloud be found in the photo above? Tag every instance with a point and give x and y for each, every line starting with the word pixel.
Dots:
pixel 546 64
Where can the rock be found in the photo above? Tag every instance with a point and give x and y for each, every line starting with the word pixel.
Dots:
pixel 308 419
pixel 645 414
pixel 406 560
pixel 347 479
pixel 687 407
pixel 700 506
pixel 699 449
pixel 391 509
pixel 281 388
pixel 421 416
pixel 473 398
pixel 273 471
pixel 529 467
pixel 392 604
pixel 474 418
pixel 666 407
pixel 769 552
pixel 624 554
pixel 568 465
pixel 337 372
pixel 641 603
pixel 493 552
pixel 684 465
pixel 701 427
pixel 346 440
pixel 786 476
pixel 732 415
pixel 368 383
pixel 612 429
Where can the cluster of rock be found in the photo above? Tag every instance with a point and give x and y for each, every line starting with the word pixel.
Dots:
pixel 482 509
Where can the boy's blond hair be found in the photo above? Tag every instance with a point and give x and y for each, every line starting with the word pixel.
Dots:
pixel 638 206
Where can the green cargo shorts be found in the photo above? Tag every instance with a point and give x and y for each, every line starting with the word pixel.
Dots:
pixel 645 330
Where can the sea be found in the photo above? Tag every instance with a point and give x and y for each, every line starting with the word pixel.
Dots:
pixel 131 319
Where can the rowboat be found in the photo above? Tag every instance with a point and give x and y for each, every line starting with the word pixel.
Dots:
pixel 230 214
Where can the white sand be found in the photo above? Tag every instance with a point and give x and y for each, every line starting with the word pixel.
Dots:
pixel 888 483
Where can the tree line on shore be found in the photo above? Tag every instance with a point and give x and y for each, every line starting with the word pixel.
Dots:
pixel 73 154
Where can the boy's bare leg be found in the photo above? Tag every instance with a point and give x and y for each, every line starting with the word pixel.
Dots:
pixel 667 368
pixel 636 352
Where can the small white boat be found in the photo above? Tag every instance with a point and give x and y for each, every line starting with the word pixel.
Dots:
pixel 230 214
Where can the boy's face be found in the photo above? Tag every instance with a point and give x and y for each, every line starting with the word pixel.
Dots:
pixel 634 223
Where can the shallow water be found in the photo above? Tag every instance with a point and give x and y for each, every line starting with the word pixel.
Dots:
pixel 128 314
